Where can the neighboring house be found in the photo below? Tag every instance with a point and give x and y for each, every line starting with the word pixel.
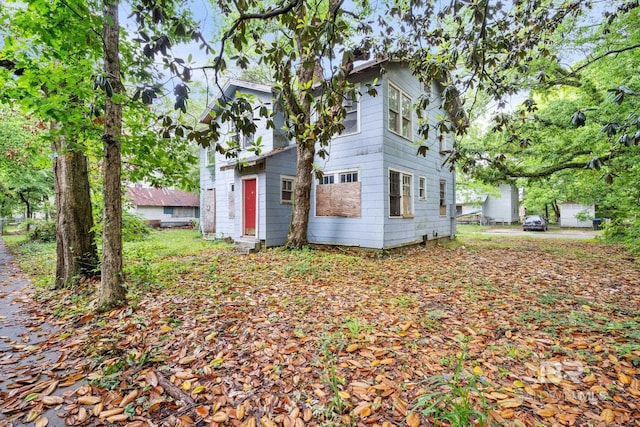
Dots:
pixel 501 207
pixel 576 215
pixel 376 192
pixel 163 207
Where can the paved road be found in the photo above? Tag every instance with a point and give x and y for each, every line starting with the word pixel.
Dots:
pixel 25 354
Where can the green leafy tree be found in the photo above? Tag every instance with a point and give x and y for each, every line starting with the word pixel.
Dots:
pixel 25 170
pixel 59 64
pixel 308 48
pixel 45 59
pixel 577 137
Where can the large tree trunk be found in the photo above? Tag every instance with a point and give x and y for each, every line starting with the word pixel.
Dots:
pixel 76 252
pixel 112 291
pixel 300 105
pixel 297 236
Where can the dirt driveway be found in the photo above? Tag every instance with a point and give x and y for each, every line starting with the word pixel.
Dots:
pixel 552 233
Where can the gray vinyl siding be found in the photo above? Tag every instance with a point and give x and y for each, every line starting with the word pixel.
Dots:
pixel 362 152
pixel 277 215
pixel 372 151
pixel 401 154
pixel 214 177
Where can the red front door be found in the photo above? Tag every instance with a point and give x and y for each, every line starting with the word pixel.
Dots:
pixel 249 191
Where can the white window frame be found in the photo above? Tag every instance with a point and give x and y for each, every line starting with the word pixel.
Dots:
pixel 210 156
pixel 443 198
pixel 348 176
pixel 286 179
pixel 354 102
pixel 403 186
pixel 403 112
pixel 422 188
pixel 335 177
pixel 231 198
pixel 243 140
pixel 444 144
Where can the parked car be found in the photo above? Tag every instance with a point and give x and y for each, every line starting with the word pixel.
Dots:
pixel 535 222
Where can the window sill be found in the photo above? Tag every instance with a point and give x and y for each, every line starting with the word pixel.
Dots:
pixel 400 135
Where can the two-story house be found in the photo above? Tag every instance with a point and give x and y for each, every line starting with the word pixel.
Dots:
pixel 376 191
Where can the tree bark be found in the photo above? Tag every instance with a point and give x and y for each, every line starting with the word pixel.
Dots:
pixel 300 105
pixel 556 210
pixel 76 251
pixel 112 291
pixel 297 236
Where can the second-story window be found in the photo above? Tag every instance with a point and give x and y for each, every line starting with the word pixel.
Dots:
pixel 242 140
pixel 211 156
pixel 351 120
pixel 399 112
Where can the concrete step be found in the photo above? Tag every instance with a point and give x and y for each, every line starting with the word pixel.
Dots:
pixel 247 246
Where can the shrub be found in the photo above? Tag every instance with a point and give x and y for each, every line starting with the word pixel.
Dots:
pixel 43 231
pixel 625 231
pixel 134 228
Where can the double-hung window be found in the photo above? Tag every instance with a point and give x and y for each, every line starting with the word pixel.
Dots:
pixel 399 112
pixel 422 188
pixel 286 190
pixel 443 198
pixel 400 200
pixel 351 121
pixel 241 140
pixel 210 156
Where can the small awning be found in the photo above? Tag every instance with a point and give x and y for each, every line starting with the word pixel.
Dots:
pixel 256 160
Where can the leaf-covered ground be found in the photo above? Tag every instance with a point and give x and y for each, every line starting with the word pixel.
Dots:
pixel 502 331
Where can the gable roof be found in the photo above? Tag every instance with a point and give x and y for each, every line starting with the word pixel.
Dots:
pixel 228 90
pixel 162 197
pixel 254 160
pixel 454 107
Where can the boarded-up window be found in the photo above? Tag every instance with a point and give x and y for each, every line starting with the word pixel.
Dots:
pixel 394 194
pixel 342 199
pixel 231 200
pixel 184 212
